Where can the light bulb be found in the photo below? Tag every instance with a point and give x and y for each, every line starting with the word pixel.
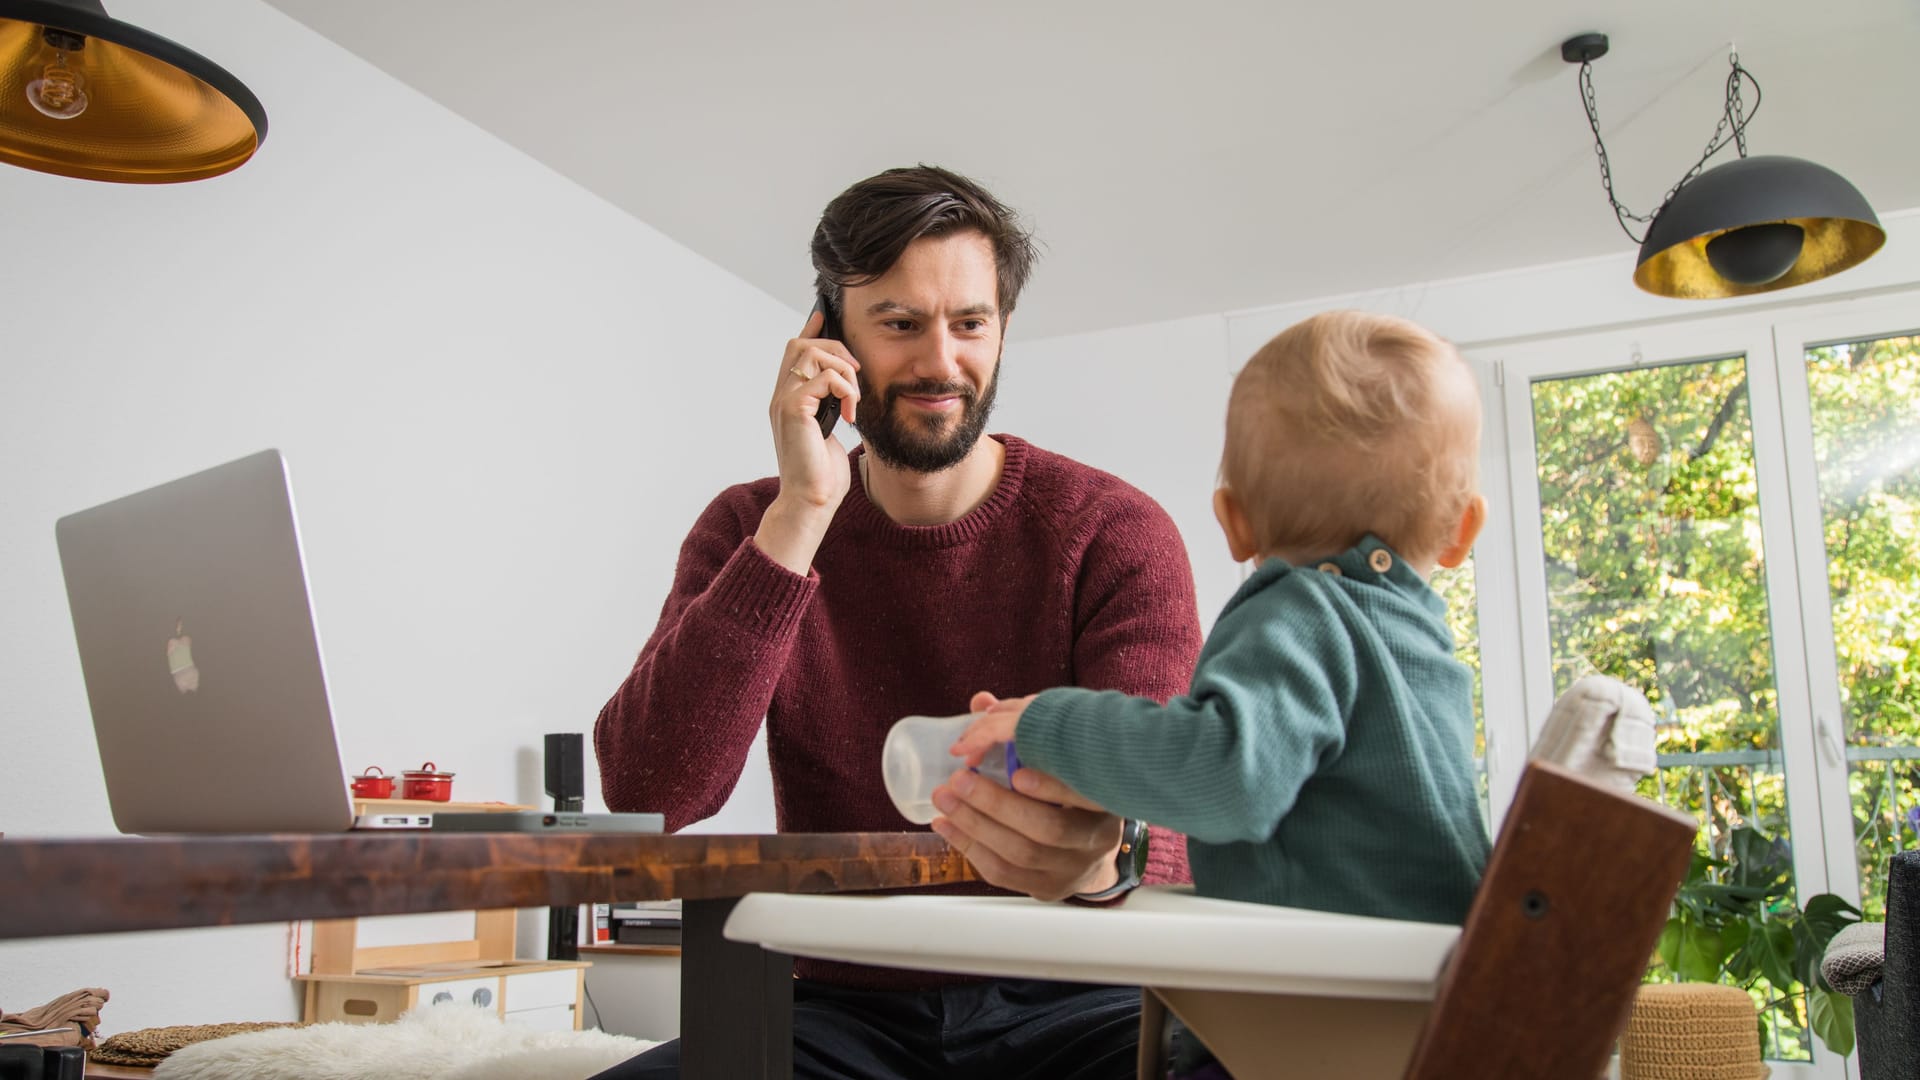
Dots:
pixel 1756 254
pixel 60 91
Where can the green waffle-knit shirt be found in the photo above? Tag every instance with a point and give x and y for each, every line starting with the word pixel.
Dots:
pixel 1323 757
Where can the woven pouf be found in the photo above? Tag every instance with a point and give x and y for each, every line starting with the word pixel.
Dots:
pixel 1691 1031
pixel 148 1047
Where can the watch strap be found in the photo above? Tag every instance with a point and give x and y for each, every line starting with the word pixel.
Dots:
pixel 1130 861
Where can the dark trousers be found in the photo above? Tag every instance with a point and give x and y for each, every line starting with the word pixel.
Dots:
pixel 1007 1029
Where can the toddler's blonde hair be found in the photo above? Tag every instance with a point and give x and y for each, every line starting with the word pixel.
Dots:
pixel 1350 423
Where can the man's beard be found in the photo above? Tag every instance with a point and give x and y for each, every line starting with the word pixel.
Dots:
pixel 928 443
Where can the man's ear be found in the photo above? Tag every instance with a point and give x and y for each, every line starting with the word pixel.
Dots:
pixel 1464 534
pixel 1233 522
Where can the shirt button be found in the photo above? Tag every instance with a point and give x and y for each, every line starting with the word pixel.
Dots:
pixel 1329 568
pixel 1381 560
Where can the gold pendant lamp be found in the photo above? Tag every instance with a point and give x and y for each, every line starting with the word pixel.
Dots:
pixel 1755 225
pixel 85 95
pixel 1751 225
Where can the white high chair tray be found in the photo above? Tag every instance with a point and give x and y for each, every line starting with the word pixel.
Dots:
pixel 1161 936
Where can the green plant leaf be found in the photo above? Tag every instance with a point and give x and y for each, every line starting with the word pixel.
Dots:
pixel 1773 951
pixel 1832 1018
pixel 1700 954
pixel 1669 946
pixel 1760 861
pixel 1736 939
pixel 1807 954
pixel 1734 900
pixel 1827 915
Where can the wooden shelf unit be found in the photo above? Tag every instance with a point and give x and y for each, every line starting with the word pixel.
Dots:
pixel 376 984
pixel 546 993
pixel 336 948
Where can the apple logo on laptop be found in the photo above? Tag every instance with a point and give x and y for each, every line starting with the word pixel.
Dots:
pixel 180 659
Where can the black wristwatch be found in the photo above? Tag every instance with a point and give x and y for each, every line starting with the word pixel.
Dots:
pixel 1130 861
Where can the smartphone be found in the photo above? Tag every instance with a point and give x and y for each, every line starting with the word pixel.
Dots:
pixel 829 411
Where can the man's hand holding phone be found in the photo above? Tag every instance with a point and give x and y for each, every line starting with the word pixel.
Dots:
pixel 813 466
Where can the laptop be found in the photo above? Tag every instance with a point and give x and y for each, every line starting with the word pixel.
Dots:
pixel 203 668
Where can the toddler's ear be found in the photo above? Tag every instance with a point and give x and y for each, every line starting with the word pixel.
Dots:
pixel 1233 522
pixel 1471 519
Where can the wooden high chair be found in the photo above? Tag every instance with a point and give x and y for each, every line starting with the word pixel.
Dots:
pixel 1537 983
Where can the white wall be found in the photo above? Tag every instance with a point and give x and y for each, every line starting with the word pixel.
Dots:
pixel 1147 403
pixel 502 401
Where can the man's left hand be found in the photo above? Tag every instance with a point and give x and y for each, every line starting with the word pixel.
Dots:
pixel 1042 838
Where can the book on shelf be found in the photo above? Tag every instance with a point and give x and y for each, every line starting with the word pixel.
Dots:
pixel 648 910
pixel 633 933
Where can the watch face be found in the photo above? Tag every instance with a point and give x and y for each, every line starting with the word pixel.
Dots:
pixel 1133 854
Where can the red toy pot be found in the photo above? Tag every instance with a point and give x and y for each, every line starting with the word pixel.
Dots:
pixel 373 784
pixel 426 782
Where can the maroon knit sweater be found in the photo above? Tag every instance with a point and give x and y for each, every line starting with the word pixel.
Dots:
pixel 1064 576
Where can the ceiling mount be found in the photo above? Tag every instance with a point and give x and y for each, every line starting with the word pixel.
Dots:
pixel 1583 48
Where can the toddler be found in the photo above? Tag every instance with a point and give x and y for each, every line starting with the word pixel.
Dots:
pixel 1323 757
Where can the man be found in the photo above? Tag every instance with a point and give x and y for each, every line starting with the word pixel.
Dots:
pixel 853 589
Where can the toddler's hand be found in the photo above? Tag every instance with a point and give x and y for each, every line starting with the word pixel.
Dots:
pixel 996 723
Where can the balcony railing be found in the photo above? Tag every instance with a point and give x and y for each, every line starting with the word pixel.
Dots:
pixel 1882 818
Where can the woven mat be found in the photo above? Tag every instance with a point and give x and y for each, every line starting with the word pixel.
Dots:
pixel 150 1046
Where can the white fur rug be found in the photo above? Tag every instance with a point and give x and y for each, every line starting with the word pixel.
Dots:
pixel 432 1042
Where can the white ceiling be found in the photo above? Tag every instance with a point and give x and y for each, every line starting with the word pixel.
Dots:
pixel 1174 159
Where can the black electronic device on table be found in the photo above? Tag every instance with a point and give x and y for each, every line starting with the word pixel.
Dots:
pixel 566 771
pixel 566 782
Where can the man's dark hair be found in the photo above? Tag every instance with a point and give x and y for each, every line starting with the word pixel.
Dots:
pixel 864 230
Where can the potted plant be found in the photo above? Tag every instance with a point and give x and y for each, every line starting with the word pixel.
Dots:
pixel 1735 921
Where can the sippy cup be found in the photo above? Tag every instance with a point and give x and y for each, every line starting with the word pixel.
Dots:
pixel 914 761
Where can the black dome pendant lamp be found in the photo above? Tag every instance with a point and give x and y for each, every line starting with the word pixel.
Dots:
pixel 83 94
pixel 1752 225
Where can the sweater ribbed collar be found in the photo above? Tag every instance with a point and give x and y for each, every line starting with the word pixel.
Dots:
pixel 859 513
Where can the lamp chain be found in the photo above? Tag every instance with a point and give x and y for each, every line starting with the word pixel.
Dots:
pixel 1734 114
pixel 1736 109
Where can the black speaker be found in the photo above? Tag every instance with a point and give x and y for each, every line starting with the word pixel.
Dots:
pixel 566 771
pixel 21 1063
pixel 65 1063
pixel 566 782
pixel 42 1063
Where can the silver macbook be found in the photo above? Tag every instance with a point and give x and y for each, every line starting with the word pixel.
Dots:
pixel 202 666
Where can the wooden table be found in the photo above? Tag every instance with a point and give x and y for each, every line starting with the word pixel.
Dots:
pixel 735 1000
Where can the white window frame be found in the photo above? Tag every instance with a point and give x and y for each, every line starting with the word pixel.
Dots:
pixel 1511 586
pixel 1853 320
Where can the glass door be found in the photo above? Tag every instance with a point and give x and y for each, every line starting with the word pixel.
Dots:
pixel 1851 408
pixel 1654 541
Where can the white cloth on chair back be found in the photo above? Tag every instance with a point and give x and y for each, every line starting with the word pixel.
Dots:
pixel 1602 729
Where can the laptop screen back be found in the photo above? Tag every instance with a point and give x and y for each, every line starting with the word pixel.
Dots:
pixel 202 666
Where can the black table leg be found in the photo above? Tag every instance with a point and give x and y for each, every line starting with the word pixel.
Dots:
pixel 736 1001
